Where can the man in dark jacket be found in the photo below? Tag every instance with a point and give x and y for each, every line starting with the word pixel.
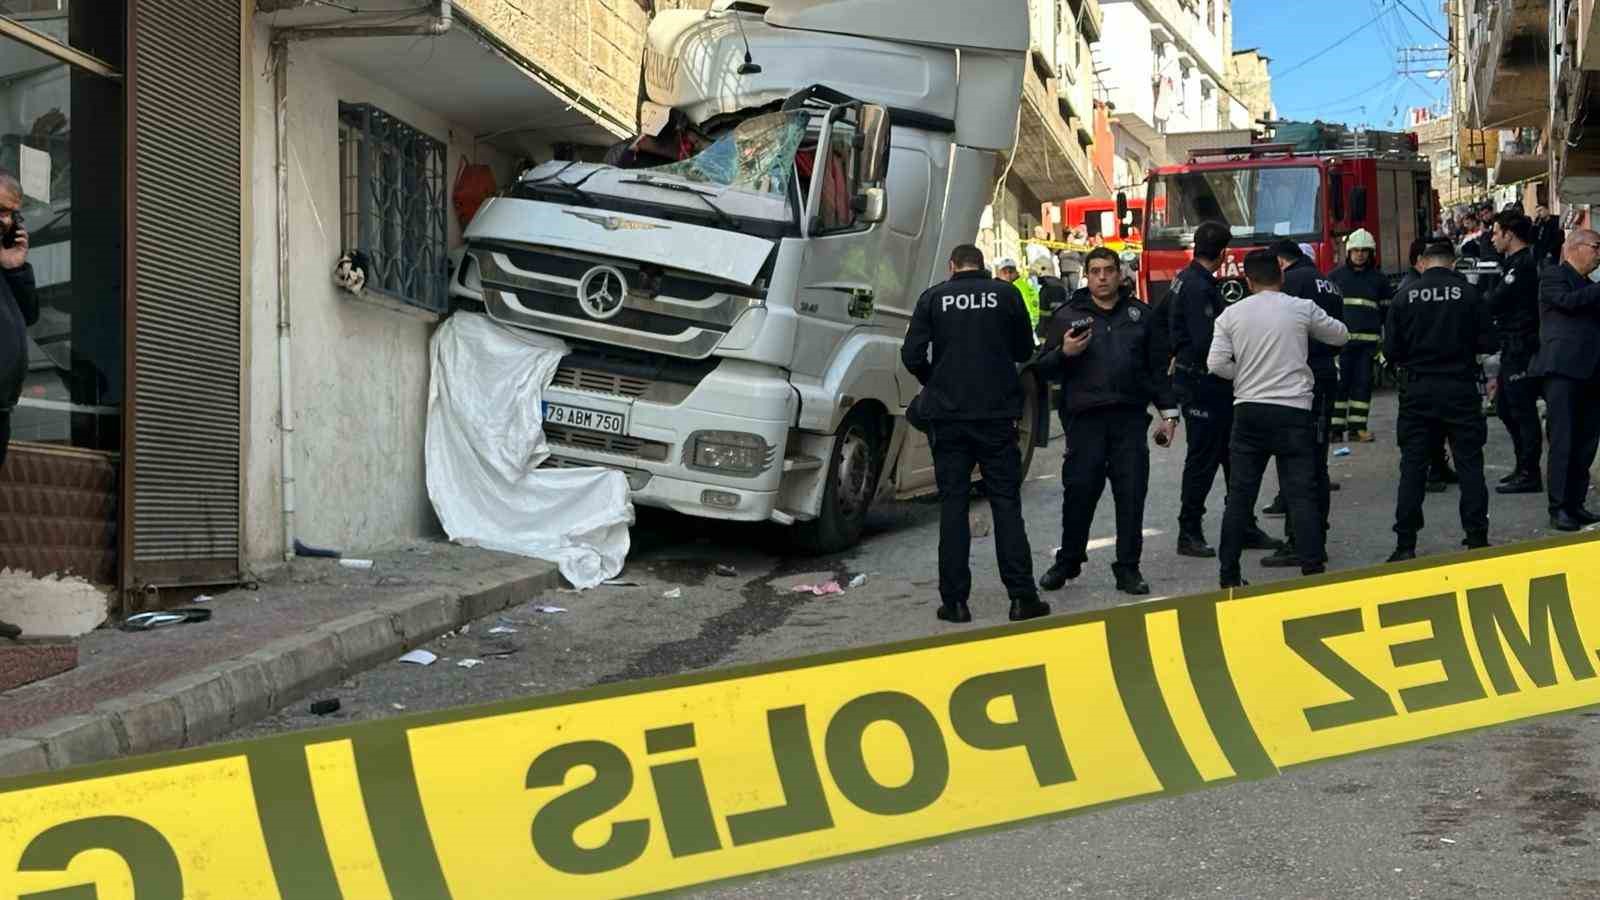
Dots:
pixel 966 338
pixel 1569 363
pixel 1435 330
pixel 19 305
pixel 1110 356
pixel 1053 293
pixel 1366 297
pixel 1191 308
pixel 1547 237
pixel 1514 304
pixel 1440 475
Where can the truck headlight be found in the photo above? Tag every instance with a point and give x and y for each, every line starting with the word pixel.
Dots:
pixel 728 453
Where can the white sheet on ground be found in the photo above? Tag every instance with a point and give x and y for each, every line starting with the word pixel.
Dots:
pixel 485 442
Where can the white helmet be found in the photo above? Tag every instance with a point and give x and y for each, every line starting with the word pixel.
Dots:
pixel 1005 263
pixel 1360 239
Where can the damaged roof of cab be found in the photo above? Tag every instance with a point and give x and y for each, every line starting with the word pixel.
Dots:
pixel 996 25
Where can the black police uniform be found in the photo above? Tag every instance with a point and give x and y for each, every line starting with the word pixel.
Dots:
pixel 1366 297
pixel 1436 328
pixel 978 330
pixel 1439 472
pixel 1514 304
pixel 1052 296
pixel 1105 393
pixel 1301 279
pixel 1569 363
pixel 1192 306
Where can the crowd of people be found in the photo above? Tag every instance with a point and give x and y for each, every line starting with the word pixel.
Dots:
pixel 1279 375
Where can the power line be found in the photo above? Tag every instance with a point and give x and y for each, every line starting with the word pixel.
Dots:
pixel 1333 46
pixel 1428 25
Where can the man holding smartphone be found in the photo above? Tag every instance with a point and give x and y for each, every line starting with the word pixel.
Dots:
pixel 19 305
pixel 1109 354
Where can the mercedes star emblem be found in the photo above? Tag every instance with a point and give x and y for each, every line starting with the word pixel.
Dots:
pixel 1233 290
pixel 602 291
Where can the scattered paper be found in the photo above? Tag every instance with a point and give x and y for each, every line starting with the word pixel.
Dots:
pixel 858 581
pixel 819 590
pixel 550 609
pixel 673 594
pixel 501 629
pixel 470 663
pixel 356 563
pixel 203 598
pixel 1444 840
pixel 398 705
pixel 420 657
pixel 1342 451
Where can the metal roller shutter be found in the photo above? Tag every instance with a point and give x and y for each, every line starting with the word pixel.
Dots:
pixel 181 512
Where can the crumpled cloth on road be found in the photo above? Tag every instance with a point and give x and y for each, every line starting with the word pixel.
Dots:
pixel 485 442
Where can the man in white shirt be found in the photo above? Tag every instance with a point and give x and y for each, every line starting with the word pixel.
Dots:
pixel 1261 344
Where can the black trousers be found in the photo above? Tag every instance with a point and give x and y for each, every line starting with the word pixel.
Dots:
pixel 1263 431
pixel 1573 406
pixel 1434 410
pixel 1104 445
pixel 1208 418
pixel 1516 402
pixel 1354 401
pixel 1322 419
pixel 991 445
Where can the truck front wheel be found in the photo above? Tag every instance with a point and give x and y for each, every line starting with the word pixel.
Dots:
pixel 853 471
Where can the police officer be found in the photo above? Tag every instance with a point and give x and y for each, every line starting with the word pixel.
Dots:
pixel 1301 279
pixel 1192 306
pixel 1514 304
pixel 1366 297
pixel 1111 359
pixel 1440 475
pixel 1436 328
pixel 1569 363
pixel 966 338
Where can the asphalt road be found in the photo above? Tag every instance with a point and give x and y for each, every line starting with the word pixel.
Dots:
pixel 1508 812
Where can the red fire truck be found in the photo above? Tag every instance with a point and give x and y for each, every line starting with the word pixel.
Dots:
pixel 1266 192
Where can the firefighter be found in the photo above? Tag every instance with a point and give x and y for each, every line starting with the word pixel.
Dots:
pixel 1053 293
pixel 1192 306
pixel 965 340
pixel 1514 304
pixel 1366 298
pixel 1010 274
pixel 1111 358
pixel 1436 328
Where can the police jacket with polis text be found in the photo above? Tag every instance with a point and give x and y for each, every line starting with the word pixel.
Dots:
pixel 1302 279
pixel 1192 305
pixel 1514 304
pixel 1124 364
pixel 966 339
pixel 1366 299
pixel 1438 325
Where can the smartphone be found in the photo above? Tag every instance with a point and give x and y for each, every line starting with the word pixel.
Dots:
pixel 1078 331
pixel 9 239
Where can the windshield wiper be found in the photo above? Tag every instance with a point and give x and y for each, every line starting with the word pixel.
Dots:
pixel 723 218
pixel 572 188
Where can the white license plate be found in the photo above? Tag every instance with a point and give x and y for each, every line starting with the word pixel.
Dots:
pixel 578 417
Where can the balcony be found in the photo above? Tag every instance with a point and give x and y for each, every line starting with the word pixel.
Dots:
pixel 1521 157
pixel 1575 99
pixel 1051 160
pixel 1508 62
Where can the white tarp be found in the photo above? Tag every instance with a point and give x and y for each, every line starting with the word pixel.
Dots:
pixel 485 442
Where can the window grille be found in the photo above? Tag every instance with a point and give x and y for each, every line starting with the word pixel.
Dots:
pixel 392 205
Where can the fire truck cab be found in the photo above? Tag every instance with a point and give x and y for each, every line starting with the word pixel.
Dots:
pixel 1267 192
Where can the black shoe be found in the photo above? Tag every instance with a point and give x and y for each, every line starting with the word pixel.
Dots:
pixel 1475 541
pixel 955 612
pixel 1584 515
pixel 1276 508
pixel 1057 576
pixel 1256 539
pixel 1565 521
pixel 1022 610
pixel 1317 569
pixel 1521 485
pixel 1403 554
pixel 1513 476
pixel 1282 559
pixel 1233 582
pixel 1129 581
pixel 1195 545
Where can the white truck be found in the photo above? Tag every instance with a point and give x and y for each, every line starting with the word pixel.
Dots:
pixel 735 307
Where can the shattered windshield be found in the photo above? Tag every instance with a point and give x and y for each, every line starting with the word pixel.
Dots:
pixel 757 155
pixel 1262 203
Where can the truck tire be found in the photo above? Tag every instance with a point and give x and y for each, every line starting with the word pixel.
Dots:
pixel 854 468
pixel 1027 424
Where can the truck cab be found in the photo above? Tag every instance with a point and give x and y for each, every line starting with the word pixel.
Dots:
pixel 735 284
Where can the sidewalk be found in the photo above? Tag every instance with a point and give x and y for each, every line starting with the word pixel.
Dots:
pixel 309 625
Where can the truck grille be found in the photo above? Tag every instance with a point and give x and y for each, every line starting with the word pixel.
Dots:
pixel 637 478
pixel 620 445
pixel 598 382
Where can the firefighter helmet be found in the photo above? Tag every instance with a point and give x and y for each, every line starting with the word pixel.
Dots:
pixel 1360 239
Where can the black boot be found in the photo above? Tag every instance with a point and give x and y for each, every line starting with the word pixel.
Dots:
pixel 1057 576
pixel 1476 540
pixel 1522 484
pixel 1585 515
pixel 1130 581
pixel 1510 477
pixel 1193 543
pixel 1256 539
pixel 1233 581
pixel 1028 608
pixel 1285 557
pixel 955 612
pixel 1276 508
pixel 1403 554
pixel 1565 521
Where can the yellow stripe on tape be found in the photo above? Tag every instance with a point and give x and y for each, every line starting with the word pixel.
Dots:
pixel 634 788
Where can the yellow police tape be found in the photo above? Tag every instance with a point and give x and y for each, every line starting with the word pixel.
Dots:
pixel 633 788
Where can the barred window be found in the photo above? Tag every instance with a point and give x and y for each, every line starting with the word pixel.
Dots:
pixel 392 205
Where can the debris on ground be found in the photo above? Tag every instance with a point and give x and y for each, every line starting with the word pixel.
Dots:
pixel 617 582
pixel 356 563
pixel 858 581
pixel 470 663
pixel 819 590
pixel 420 658
pixel 501 629
pixel 550 609
pixel 203 598
pixel 727 571
pixel 673 594
pixel 325 707
pixel 148 620
pixel 1342 451
pixel 398 706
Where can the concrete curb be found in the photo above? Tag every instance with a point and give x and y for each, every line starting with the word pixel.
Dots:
pixel 201 706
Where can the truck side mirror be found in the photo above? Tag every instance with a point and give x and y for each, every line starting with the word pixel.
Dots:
pixel 1122 214
pixel 874 145
pixel 872 206
pixel 1336 192
pixel 1358 203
